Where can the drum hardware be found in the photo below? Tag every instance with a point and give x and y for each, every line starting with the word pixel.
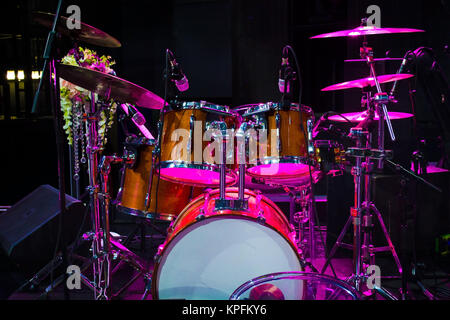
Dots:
pixel 361 215
pixel 304 236
pixel 120 252
pixel 239 204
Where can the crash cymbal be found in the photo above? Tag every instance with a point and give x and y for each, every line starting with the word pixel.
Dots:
pixel 360 116
pixel 369 81
pixel 375 59
pixel 107 85
pixel 365 31
pixel 86 33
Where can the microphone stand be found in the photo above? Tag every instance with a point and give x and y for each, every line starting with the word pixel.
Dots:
pixel 411 272
pixel 51 65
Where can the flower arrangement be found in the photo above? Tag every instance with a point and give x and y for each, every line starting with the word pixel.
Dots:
pixel 74 100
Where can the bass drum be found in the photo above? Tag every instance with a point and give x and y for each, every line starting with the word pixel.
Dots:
pixel 208 254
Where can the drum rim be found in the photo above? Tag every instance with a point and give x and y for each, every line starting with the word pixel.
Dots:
pixel 146 214
pixel 177 164
pixel 140 141
pixel 273 106
pixel 205 106
pixel 159 255
pixel 287 274
pixel 278 160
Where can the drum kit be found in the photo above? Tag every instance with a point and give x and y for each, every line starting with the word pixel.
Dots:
pixel 195 175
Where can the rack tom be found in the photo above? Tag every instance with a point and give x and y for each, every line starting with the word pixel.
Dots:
pixel 189 144
pixel 284 152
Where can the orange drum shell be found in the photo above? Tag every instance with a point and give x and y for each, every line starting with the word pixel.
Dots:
pixel 274 219
pixel 293 140
pixel 180 119
pixel 172 197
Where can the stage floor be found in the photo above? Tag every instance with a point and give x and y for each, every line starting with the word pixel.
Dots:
pixel 342 264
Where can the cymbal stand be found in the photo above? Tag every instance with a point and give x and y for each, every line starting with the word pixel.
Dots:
pixel 381 99
pixel 100 237
pixel 362 218
pixel 113 249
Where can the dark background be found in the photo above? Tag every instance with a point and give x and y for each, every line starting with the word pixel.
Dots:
pixel 230 50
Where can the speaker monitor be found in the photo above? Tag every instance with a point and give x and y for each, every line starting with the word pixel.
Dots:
pixel 29 229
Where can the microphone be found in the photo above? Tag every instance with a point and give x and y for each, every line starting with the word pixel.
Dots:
pixel 282 75
pixel 177 75
pixel 400 70
pixel 137 117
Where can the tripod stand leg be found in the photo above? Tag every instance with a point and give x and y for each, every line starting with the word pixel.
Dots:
pixel 388 239
pixel 386 294
pixel 338 242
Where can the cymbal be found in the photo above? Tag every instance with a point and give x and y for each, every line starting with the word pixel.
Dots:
pixel 375 59
pixel 369 81
pixel 111 86
pixel 86 33
pixel 360 116
pixel 365 31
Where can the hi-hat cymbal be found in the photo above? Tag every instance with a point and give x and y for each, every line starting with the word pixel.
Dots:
pixel 365 31
pixel 107 85
pixel 86 33
pixel 369 81
pixel 360 116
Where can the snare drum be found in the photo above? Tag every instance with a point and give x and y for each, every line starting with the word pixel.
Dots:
pixel 208 253
pixel 184 146
pixel 329 155
pixel 171 198
pixel 285 152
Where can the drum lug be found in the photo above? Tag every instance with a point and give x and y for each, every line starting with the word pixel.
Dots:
pixel 191 134
pixel 157 256
pixel 200 216
pixel 261 219
pixel 309 129
pixel 170 228
pixel 278 124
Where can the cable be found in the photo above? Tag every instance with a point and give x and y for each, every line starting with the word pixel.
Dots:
pixel 161 128
pixel 307 144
